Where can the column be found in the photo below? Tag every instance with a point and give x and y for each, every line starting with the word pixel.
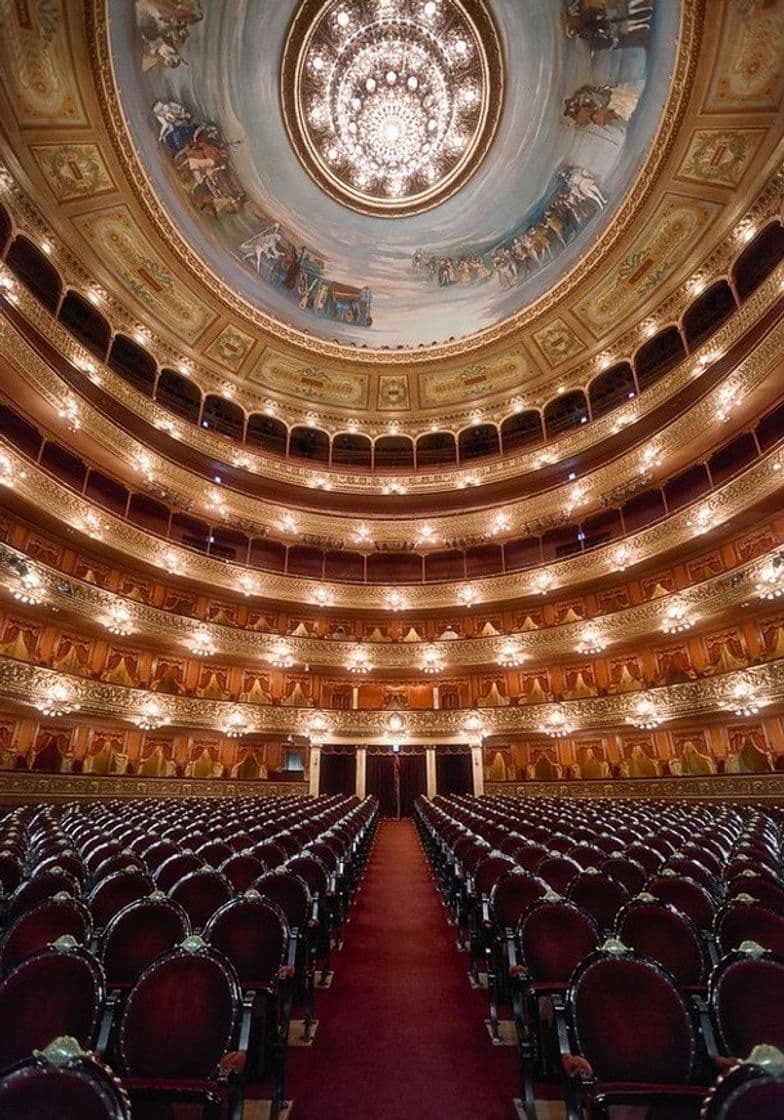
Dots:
pixel 354 697
pixel 436 697
pixel 477 771
pixel 430 770
pixel 315 770
pixel 361 771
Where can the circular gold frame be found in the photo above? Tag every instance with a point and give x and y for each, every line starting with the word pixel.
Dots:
pixel 303 27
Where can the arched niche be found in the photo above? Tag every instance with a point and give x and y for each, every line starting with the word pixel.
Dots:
pixel 179 394
pixel 478 442
pixel 393 453
pixel 34 269
pixel 565 412
pixel 221 415
pixel 436 449
pixel 758 259
pixel 611 389
pixel 86 324
pixel 523 429
pixel 352 450
pixel 266 433
pixel 309 443
pixel 658 356
pixel 133 364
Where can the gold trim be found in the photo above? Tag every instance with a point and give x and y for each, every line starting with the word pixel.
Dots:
pixel 767 787
pixel 19 787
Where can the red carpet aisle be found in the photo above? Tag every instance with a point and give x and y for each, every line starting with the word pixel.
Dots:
pixel 401 1033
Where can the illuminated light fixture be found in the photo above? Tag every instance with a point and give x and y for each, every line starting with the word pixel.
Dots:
pixel 29 588
pixel 185 367
pixel 57 699
pixel 90 524
pixel 215 504
pixel 118 619
pixel 476 418
pixel 426 535
pixel 163 424
pixel 236 724
pixel 729 399
pixel 172 562
pixel 676 617
pixel 396 723
pixel 467 596
pixel 270 407
pixel 88 368
pixel 591 641
pixel 242 462
pixel 745 231
pixel 201 643
pixel 248 585
pixel 353 426
pixel 9 474
pixel 47 246
pixel 395 600
pixel 474 729
pixel 280 655
pixel 322 596
pixel 141 334
pixel 650 459
pixel 510 654
pixel 697 285
pixel 576 496
pixel 770 581
pixel 644 715
pixel 363 535
pixel 467 480
pixel 320 482
pixel 318 725
pixel 623 421
pixel 517 405
pixel 393 427
pixel 649 328
pixel 96 295
pixel 144 465
pixel 743 697
pixel 288 524
pixel 311 420
pixel 622 557
pixel 543 582
pixel 500 524
pixel 393 487
pixel 358 660
pixel 431 661
pixel 556 723
pixel 702 521
pixel 151 715
pixel 69 412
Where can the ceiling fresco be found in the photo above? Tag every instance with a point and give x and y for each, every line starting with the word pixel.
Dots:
pixel 581 93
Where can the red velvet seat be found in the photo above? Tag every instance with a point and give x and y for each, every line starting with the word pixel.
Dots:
pixel 35 929
pixel 512 894
pixel 685 895
pixel 174 867
pixel 744 919
pixel 178 1032
pixel 57 991
pixel 528 856
pixel 627 871
pixel 117 861
pixel 587 855
pixel 640 851
pixel 271 855
pixel 753 1089
pixel 558 871
pixel 746 999
pixel 761 887
pixel 111 894
pixel 214 852
pixel 68 860
pixel 32 891
pixel 156 851
pixel 137 934
pixel 657 930
pixel 599 894
pixel 62 1082
pixel 201 893
pixel 241 868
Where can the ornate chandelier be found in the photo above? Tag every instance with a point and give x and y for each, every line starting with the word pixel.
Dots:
pixel 645 714
pixel 557 723
pixel 432 662
pixel 57 699
pixel 391 104
pixel 151 715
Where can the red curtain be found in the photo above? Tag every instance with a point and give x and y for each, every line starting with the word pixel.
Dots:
pixel 396 780
pixel 338 773
pixel 453 773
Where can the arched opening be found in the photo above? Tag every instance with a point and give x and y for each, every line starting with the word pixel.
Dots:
pixel 557 543
pixel 149 514
pixel 179 395
pixel 86 324
pixel 19 432
pixel 436 449
pixel 133 364
pixel 758 259
pixel 352 450
pixel 611 389
pixel 523 429
pixel 605 526
pixel 30 265
pixel 658 355
pixel 309 443
pixel 565 412
pixel 64 466
pixel 266 433
pixel 190 531
pixel 228 544
pixel 687 486
pixel 728 460
pixel 478 442
pixel 393 453
pixel 707 313
pixel 643 510
pixel 107 492
pixel 223 416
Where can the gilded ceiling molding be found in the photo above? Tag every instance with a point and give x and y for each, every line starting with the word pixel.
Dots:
pixel 723 787
pixel 704 602
pixel 761 481
pixel 29 685
pixel 684 71
pixel 257 516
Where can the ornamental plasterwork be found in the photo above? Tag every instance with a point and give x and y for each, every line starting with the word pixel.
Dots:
pixel 253 515
pixel 717 264
pixel 684 71
pixel 722 787
pixel 24 684
pixel 761 481
pixel 35 788
pixel 618 629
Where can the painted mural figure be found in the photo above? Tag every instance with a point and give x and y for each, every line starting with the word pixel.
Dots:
pixel 608 24
pixel 165 27
pixel 603 105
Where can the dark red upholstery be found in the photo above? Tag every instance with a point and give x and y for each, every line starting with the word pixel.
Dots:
pixel 62 1083
pixel 37 928
pixel 489 870
pixel 57 991
pixel 627 871
pixel 214 852
pixel 111 894
pixel 137 934
pixel 746 996
pixel 599 894
pixel 32 891
pixel 252 932
pixel 761 887
pixel 10 872
pixel 744 919
pixel 174 867
pixel 312 870
pixel 201 893
pixel 748 1091
pixel 270 854
pixel 241 869
pixel 289 892
pixel 511 896
pixel 558 872
pixel 658 930
pixel 587 855
pixel 685 895
pixel 527 856
pixel 555 936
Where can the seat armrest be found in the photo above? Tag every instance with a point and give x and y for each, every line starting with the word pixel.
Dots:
pixel 110 1006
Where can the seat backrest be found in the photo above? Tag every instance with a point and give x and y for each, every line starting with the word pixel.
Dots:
pixel 325 853
pixel 241 869
pixel 181 1015
pixel 10 872
pixel 587 855
pixel 744 919
pixel 555 936
pixel 685 895
pixel 57 991
pixel 252 932
pixel 272 855
pixel 214 852
pixel 599 894
pixel 512 894
pixel 640 851
pixel 111 894
pixel 32 891
pixel 629 1020
pixel 627 871
pixel 658 930
pixel 753 1089
pixel 557 870
pixel 35 929
pixel 201 893
pixel 489 870
pixel 312 870
pixel 764 889
pixel 527 855
pixel 288 891
pixel 746 996
pixel 62 1082
pixel 137 934
pixel 156 852
pixel 174 867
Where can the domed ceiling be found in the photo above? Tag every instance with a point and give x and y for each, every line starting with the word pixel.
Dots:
pixel 392 173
